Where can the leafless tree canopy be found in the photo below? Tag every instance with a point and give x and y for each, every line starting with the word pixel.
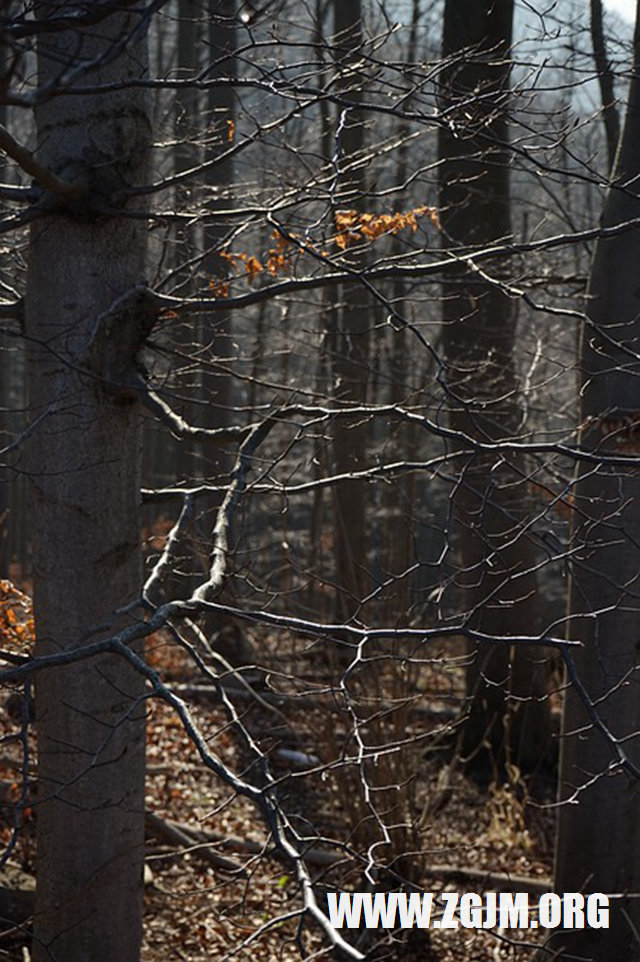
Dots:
pixel 319 433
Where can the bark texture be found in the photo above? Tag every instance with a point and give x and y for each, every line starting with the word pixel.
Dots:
pixel 215 340
pixel 598 842
pixel 349 339
pixel 85 326
pixel 496 556
pixel 606 80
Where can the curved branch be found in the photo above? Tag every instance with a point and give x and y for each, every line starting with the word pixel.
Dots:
pixel 27 162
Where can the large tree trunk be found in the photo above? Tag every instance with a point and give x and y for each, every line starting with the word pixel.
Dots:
pixel 85 491
pixel 598 842
pixel 496 556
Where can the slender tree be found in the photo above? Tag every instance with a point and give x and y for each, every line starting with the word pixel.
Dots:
pixel 13 527
pixel 5 378
pixel 349 342
pixel 610 117
pixel 497 557
pixel 400 498
pixel 215 332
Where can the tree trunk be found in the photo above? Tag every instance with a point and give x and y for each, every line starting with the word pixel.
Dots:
pixel 606 81
pixel 497 559
pixel 214 461
pixel 399 498
pixel 598 841
pixel 349 342
pixel 215 329
pixel 6 403
pixel 13 540
pixel 85 491
pixel 182 453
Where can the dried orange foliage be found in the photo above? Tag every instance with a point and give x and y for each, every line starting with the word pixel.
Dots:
pixel 17 629
pixel 276 262
pixel 231 130
pixel 353 226
pixel 278 257
pixel 219 288
pixel 252 265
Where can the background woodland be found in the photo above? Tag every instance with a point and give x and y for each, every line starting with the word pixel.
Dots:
pixel 319 434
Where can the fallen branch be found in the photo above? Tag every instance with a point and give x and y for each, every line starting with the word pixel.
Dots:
pixel 176 835
pixel 327 859
pixel 326 701
pixel 314 856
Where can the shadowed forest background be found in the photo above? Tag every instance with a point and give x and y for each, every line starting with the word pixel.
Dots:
pixel 319 434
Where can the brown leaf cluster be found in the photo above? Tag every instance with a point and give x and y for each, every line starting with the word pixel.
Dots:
pixel 353 226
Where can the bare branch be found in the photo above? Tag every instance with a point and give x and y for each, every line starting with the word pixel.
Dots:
pixel 27 162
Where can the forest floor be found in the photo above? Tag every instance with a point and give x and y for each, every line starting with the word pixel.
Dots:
pixel 227 894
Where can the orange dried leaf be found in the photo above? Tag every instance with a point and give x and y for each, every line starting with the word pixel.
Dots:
pixel 282 243
pixel 346 219
pixel 277 262
pixel 343 240
pixel 219 288
pixel 231 259
pixel 252 267
pixel 17 627
pixel 352 226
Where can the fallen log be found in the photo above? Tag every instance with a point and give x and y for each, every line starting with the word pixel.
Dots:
pixel 324 858
pixel 201 848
